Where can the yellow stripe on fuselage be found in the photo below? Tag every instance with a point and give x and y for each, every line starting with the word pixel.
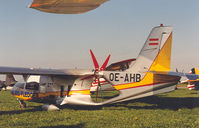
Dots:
pixel 47 94
pixel 57 93
pixel 81 92
pixel 147 80
pixel 24 97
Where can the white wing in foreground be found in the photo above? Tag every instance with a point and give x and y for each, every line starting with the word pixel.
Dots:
pixel 35 71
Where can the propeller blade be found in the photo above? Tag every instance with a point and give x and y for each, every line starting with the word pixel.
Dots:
pixel 105 63
pixel 103 67
pixel 94 61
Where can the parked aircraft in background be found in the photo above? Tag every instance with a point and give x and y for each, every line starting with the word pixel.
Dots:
pixel 192 84
pixel 8 83
pixel 149 75
pixel 66 6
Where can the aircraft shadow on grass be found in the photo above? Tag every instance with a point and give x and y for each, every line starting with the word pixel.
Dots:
pixel 34 109
pixel 81 125
pixel 152 102
pixel 157 102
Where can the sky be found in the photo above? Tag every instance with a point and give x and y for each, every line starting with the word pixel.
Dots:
pixel 30 38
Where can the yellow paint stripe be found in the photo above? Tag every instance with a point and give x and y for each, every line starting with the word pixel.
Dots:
pixel 148 79
pixel 82 92
pixel 72 92
pixel 46 94
pixel 22 97
pixel 196 71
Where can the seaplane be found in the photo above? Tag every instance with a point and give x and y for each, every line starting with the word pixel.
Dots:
pixel 148 75
pixel 66 6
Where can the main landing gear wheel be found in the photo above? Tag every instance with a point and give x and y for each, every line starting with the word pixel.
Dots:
pixel 22 103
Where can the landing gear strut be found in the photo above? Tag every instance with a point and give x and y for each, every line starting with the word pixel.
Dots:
pixel 22 103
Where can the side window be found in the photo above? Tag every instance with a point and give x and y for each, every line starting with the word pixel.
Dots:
pixel 32 86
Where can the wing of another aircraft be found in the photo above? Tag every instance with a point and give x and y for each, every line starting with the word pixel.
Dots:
pixel 66 6
pixel 53 72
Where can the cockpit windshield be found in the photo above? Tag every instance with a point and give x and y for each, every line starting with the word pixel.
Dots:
pixel 120 66
pixel 20 85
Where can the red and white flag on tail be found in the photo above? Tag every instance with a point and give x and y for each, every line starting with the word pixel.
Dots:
pixel 153 41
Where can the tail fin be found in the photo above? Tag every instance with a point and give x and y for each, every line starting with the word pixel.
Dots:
pixel 195 71
pixel 156 52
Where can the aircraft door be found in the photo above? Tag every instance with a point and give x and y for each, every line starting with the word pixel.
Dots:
pixel 45 84
pixel 42 88
pixel 69 88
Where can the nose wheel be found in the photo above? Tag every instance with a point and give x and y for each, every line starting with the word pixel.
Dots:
pixel 22 103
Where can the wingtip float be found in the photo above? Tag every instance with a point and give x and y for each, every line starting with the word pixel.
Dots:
pixel 66 6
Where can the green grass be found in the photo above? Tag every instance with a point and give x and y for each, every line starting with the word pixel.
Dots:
pixel 178 109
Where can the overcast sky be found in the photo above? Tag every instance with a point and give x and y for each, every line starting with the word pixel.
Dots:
pixel 31 38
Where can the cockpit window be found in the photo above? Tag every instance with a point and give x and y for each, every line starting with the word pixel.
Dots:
pixel 120 66
pixel 32 86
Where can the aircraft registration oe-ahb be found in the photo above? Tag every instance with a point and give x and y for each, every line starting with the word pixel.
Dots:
pixel 66 6
pixel 104 85
pixel 148 75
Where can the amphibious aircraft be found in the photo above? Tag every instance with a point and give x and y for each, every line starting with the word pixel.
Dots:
pixel 66 6
pixel 149 75
pixel 192 84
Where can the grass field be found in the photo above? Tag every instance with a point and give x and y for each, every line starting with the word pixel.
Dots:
pixel 178 109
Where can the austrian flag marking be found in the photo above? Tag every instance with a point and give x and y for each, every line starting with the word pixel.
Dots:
pixel 153 41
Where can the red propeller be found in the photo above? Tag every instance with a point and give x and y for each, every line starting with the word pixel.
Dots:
pixel 97 70
pixel 96 63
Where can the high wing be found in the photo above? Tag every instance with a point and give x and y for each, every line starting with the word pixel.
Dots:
pixel 66 6
pixel 49 72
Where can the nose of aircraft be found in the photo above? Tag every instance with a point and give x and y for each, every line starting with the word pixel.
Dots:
pixel 16 88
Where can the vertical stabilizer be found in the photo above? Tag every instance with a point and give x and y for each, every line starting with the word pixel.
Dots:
pixel 195 71
pixel 156 52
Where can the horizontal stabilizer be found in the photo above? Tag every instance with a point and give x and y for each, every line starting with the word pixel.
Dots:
pixel 180 74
